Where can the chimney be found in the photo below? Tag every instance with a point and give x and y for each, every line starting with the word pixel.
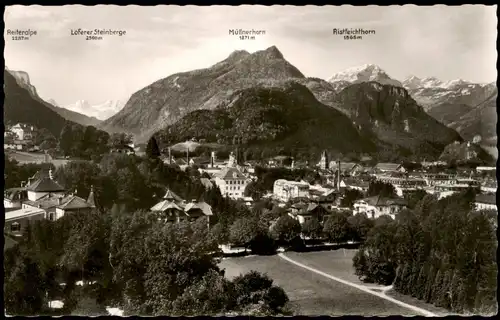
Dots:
pixel 187 155
pixel 169 156
pixel 212 155
pixel 338 175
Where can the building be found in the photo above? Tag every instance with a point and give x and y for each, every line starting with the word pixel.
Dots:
pixel 302 212
pixel 17 220
pixel 45 199
pixel 486 202
pixel 389 167
pixel 346 168
pixel 404 184
pixel 126 149
pixel 324 162
pixel 23 131
pixel 13 197
pixel 197 209
pixel 174 209
pixel 43 186
pixel 231 182
pixel 285 190
pixel 482 169
pixel 377 206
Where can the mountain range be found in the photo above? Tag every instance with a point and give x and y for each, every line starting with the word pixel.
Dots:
pixel 167 100
pixel 264 99
pixel 100 111
pixel 23 80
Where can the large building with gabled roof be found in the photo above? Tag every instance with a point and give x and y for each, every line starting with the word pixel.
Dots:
pixel 231 182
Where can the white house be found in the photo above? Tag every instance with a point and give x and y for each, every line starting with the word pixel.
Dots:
pixel 486 202
pixel 13 197
pixel 285 190
pixel 377 206
pixel 231 182
pixel 389 167
pixel 23 131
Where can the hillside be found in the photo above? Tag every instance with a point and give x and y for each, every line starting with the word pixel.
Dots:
pixel 285 119
pixel 167 100
pixel 466 151
pixel 23 80
pixel 481 120
pixel 21 106
pixel 394 117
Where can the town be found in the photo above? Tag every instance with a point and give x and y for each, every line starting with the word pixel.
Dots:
pixel 42 196
pixel 297 174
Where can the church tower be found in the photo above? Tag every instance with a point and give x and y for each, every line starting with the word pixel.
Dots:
pixel 323 163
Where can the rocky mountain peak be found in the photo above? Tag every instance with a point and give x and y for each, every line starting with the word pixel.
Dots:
pixel 237 55
pixel 365 73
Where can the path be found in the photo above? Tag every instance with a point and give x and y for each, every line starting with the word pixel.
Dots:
pixel 366 289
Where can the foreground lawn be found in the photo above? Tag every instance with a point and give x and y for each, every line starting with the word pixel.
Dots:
pixel 338 263
pixel 313 294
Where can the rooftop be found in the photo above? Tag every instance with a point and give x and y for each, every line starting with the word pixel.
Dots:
pixel 45 184
pixel 16 214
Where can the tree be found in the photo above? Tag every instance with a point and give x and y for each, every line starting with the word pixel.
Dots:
pixel 286 229
pixel 243 231
pixel 350 196
pixel 152 149
pixel 312 228
pixel 211 295
pixel 66 139
pixel 360 225
pixel 254 288
pixel 24 289
pixel 119 139
pixel 379 188
pixel 336 228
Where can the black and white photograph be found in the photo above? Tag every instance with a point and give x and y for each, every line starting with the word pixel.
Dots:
pixel 250 160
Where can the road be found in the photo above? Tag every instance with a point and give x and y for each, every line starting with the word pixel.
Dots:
pixel 316 292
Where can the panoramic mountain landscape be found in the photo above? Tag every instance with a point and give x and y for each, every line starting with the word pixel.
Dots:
pixel 381 109
pixel 23 80
pixel 415 117
pixel 151 170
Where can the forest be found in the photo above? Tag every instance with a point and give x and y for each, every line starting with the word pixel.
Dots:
pixel 440 251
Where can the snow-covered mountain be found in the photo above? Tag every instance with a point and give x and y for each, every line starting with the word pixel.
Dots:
pixel 364 73
pixel 431 92
pixel 23 80
pixel 100 111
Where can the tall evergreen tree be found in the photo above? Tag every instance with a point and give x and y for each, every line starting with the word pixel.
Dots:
pixel 152 149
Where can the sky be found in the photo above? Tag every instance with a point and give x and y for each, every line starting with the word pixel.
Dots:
pixel 445 42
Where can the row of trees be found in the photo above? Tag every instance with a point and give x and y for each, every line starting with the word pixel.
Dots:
pixel 442 252
pixel 89 142
pixel 263 231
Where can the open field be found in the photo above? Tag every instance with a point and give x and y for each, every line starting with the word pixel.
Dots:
pixel 311 293
pixel 338 263
pixel 32 157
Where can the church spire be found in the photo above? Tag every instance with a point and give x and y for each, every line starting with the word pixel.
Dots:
pixel 91 198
